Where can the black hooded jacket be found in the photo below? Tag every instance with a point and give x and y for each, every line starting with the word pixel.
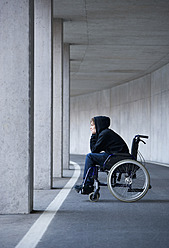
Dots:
pixel 106 139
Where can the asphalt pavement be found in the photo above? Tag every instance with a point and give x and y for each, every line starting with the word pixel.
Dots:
pixel 108 223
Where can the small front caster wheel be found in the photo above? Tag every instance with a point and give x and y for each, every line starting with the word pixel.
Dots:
pixel 94 197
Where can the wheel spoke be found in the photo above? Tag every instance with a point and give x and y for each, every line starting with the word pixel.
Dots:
pixel 133 183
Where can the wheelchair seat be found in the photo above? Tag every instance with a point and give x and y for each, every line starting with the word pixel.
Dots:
pixel 114 158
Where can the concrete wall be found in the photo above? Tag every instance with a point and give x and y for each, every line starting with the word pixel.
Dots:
pixel 138 107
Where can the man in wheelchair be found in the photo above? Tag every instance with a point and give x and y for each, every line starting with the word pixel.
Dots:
pixel 103 142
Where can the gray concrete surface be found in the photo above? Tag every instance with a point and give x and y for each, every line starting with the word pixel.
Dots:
pixel 107 223
pixel 66 105
pixel 138 107
pixel 42 94
pixel 16 106
pixel 113 42
pixel 57 98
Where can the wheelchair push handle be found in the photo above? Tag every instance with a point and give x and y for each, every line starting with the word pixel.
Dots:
pixel 138 138
pixel 141 136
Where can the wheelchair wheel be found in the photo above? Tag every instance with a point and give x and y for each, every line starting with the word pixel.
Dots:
pixel 128 180
pixel 94 197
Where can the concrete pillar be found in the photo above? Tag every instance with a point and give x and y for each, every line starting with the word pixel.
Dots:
pixel 66 105
pixel 43 82
pixel 16 106
pixel 57 98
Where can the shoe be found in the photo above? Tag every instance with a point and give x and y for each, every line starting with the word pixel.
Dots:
pixel 78 188
pixel 85 190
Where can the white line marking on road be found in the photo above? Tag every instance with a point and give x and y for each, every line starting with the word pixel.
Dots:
pixel 35 233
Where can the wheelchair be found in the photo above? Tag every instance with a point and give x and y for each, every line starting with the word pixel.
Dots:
pixel 127 179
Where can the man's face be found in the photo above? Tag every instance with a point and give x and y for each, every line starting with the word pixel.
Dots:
pixel 92 127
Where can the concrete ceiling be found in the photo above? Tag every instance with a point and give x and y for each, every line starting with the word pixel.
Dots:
pixel 113 41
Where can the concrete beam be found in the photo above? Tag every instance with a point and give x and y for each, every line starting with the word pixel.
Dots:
pixel 66 105
pixel 43 83
pixel 16 106
pixel 57 98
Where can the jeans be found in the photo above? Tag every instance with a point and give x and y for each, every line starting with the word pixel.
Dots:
pixel 93 159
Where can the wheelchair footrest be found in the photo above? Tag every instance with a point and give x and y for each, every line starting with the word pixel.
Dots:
pixel 135 190
pixel 102 184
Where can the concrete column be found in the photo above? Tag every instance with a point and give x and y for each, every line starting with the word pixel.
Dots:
pixel 66 105
pixel 43 81
pixel 57 98
pixel 16 106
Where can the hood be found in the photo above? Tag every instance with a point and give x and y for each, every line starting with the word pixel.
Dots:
pixel 101 123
